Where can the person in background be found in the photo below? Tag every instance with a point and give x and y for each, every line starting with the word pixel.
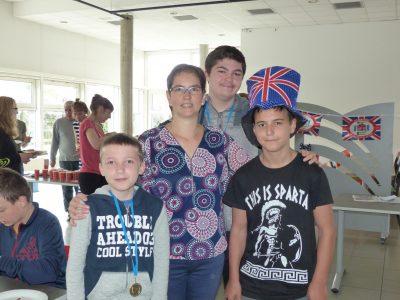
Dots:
pixel 64 141
pixel 277 199
pixel 22 140
pixel 9 156
pixel 91 135
pixel 80 112
pixel 100 267
pixel 32 247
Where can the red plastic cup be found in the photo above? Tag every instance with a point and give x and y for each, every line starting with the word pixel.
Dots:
pixel 62 175
pixel 36 174
pixel 46 163
pixel 68 176
pixel 75 176
pixel 51 174
pixel 56 175
pixel 45 173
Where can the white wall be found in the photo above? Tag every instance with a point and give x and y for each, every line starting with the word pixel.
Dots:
pixel 33 48
pixel 343 66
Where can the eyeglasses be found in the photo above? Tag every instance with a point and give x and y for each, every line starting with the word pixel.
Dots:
pixel 181 90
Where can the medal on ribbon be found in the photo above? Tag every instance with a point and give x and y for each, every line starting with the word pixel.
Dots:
pixel 136 288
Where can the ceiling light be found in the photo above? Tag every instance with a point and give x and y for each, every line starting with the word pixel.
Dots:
pixel 261 11
pixel 347 5
pixel 185 18
pixel 64 22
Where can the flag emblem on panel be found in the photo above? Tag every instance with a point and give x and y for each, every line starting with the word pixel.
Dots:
pixel 361 128
pixel 312 125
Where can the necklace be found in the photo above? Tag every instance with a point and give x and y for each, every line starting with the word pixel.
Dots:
pixel 136 288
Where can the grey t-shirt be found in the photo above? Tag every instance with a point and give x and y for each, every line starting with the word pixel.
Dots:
pixel 64 141
pixel 233 127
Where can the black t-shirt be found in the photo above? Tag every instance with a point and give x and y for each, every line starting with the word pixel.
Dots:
pixel 280 254
pixel 9 157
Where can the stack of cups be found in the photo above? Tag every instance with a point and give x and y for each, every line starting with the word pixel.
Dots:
pixel 45 172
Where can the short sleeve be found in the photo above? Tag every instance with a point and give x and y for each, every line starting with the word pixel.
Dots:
pixel 320 190
pixel 233 196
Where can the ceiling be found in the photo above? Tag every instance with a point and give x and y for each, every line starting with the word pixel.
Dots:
pixel 157 29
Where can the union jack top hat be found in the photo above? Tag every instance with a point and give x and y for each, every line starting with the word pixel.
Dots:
pixel 269 88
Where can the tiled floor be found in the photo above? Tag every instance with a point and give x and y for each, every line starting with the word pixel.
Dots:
pixel 372 268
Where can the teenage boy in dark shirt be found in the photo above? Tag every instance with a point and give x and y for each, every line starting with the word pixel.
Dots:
pixel 276 200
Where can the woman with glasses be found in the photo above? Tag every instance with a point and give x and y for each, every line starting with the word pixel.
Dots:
pixel 9 156
pixel 188 166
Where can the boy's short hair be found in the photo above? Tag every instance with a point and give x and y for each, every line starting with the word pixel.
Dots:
pixel 13 185
pixel 122 139
pixel 278 108
pixel 222 52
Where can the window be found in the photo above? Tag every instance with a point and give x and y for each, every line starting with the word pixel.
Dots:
pixel 138 113
pixel 20 90
pixel 23 92
pixel 55 94
pixel 158 66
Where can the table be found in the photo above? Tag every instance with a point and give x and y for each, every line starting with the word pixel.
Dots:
pixel 32 180
pixel 344 204
pixel 7 284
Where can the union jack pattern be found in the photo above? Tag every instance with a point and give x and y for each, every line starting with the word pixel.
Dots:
pixel 362 128
pixel 313 124
pixel 275 84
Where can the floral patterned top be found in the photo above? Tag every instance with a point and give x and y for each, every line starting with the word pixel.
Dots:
pixel 192 188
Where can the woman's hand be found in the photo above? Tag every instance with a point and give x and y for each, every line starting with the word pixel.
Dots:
pixel 26 157
pixel 77 209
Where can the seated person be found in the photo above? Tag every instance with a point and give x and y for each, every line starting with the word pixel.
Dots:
pixel 32 246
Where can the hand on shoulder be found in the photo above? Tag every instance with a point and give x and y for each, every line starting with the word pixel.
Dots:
pixel 77 209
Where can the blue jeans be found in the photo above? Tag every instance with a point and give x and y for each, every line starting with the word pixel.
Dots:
pixel 195 279
pixel 67 190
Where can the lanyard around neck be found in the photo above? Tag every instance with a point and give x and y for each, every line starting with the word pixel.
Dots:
pixel 135 266
pixel 207 112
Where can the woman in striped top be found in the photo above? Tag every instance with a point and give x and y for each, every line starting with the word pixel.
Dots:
pixel 80 113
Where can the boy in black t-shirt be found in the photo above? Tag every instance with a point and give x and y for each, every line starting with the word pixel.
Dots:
pixel 277 199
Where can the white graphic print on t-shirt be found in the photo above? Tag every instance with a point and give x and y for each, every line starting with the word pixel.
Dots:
pixel 278 244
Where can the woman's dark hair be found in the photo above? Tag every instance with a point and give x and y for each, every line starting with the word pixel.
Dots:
pixel 222 52
pixel 184 68
pixel 98 101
